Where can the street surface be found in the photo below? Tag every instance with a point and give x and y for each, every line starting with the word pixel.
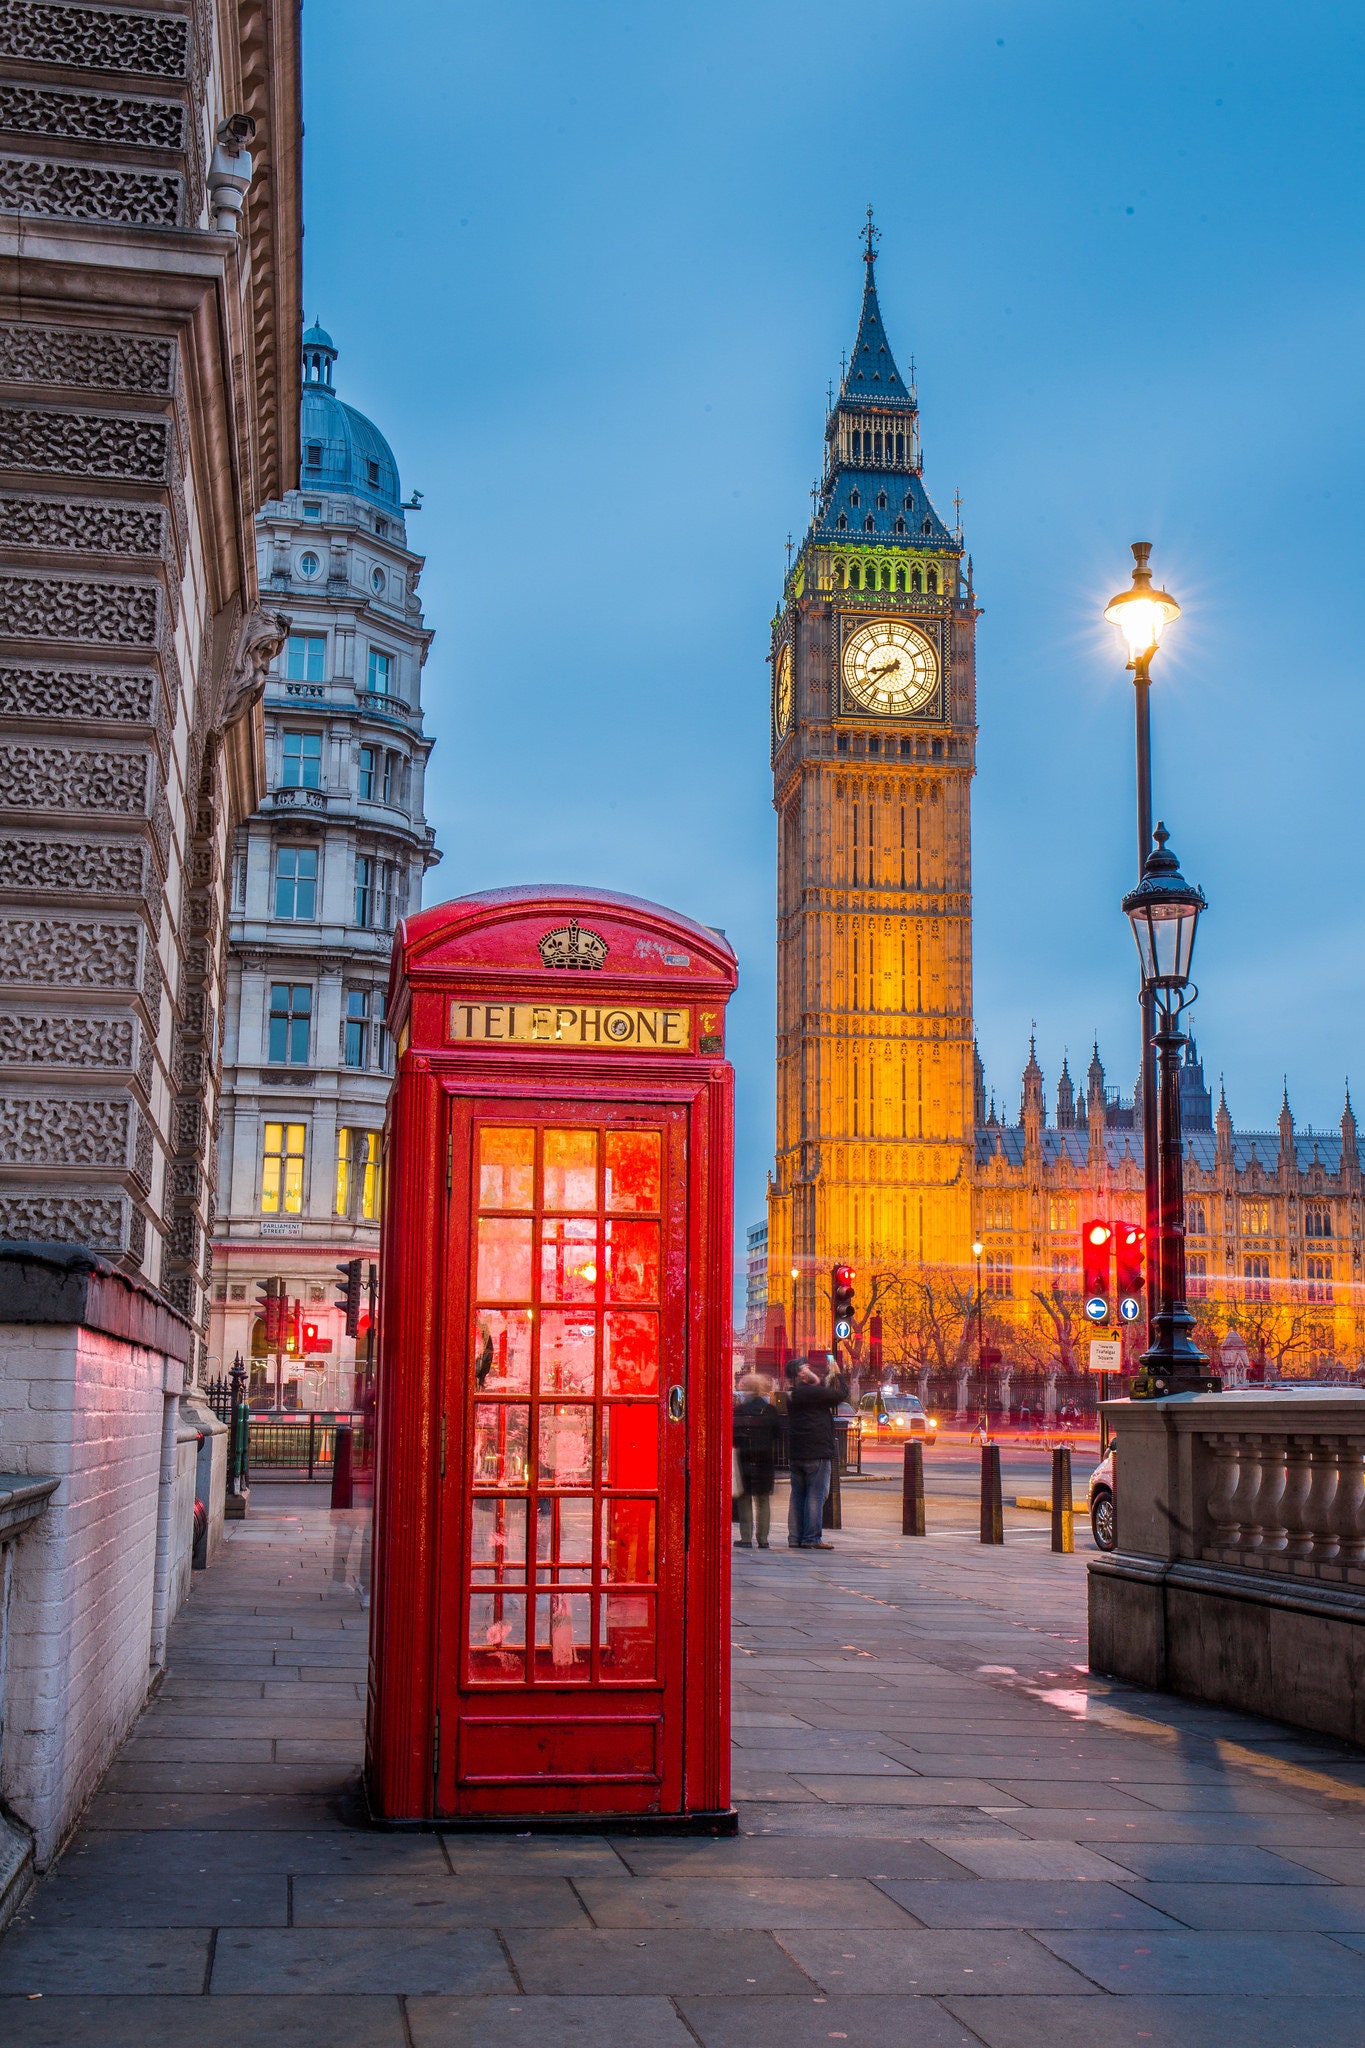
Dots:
pixel 951 1836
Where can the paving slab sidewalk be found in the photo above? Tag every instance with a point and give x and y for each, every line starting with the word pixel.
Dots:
pixel 952 1835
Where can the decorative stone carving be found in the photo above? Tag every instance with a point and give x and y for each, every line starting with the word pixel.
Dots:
pixel 42 692
pixel 75 356
pixel 51 952
pixel 92 116
pixel 153 985
pixel 117 869
pixel 87 525
pixel 59 608
pixel 67 1219
pixel 75 1131
pixel 66 191
pixel 73 778
pixel 96 39
pixel 259 640
pixel 142 1149
pixel 129 446
pixel 30 1041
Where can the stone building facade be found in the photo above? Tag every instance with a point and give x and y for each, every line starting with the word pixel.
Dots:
pixel 1273 1222
pixel 321 873
pixel 149 321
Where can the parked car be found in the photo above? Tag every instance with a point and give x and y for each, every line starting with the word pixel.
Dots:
pixel 895 1415
pixel 1102 1504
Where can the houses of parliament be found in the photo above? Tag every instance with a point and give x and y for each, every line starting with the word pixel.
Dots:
pixel 887 1154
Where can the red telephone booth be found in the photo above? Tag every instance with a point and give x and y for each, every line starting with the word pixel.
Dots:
pixel 550 1620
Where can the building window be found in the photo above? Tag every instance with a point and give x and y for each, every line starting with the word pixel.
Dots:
pixel 313 454
pixel 393 777
pixel 310 563
pixel 1319 1279
pixel 372 471
pixel 357 1048
pixel 841 743
pixel 1061 1213
pixel 358 1174
pixel 312 511
pixel 1317 1221
pixel 1000 1275
pixel 1196 1220
pixel 842 523
pixel 1197 1275
pixel 368 758
pixel 998 1215
pixel 380 672
pixel 1255 1219
pixel 869 524
pixel 365 867
pixel 296 883
pixel 282 1170
pixel 305 656
pixel 1066 1270
pixel 900 525
pixel 1256 1273
pixel 881 501
pixel 378 582
pixel 381 527
pixel 854 499
pixel 302 761
pixel 291 1023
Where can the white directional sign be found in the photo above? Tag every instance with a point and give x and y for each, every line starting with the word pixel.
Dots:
pixel 1106 1354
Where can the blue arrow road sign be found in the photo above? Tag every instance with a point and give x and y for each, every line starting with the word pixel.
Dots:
pixel 1097 1308
pixel 843 1330
pixel 1129 1308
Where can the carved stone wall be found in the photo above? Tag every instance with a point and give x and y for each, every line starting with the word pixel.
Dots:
pixel 95 39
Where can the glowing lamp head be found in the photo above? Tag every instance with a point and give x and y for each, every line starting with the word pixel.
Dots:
pixel 978 1251
pixel 1142 613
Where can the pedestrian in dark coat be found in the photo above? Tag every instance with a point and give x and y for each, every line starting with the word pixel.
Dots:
pixel 756 1428
pixel 811 1446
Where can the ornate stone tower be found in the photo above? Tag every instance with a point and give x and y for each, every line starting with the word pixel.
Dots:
pixel 873 746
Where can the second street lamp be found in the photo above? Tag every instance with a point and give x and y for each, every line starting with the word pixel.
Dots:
pixel 1164 912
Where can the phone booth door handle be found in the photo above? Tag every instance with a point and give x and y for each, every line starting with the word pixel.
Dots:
pixel 676 1404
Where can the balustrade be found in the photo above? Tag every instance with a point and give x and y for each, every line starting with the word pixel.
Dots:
pixel 1281 1500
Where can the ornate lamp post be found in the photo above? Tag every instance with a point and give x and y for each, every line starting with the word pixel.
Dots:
pixel 1141 614
pixel 978 1251
pixel 1164 912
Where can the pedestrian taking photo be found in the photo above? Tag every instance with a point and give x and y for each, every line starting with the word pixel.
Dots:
pixel 813 1395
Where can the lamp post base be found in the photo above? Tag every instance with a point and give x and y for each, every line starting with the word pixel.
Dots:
pixel 1156 1382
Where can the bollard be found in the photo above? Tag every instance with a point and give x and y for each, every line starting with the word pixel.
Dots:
pixel 992 1505
pixel 912 1491
pixel 341 1468
pixel 833 1516
pixel 1063 1518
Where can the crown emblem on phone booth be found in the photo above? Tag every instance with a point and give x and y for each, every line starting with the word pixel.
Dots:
pixel 571 946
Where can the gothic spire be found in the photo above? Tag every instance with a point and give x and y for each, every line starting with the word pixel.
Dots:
pixel 871 373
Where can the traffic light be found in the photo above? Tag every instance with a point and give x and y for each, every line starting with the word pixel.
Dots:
pixel 1130 1246
pixel 293 1328
pixel 271 1307
pixel 311 1334
pixel 348 1294
pixel 1097 1263
pixel 841 1299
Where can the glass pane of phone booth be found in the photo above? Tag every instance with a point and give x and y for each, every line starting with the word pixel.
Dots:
pixel 566 1398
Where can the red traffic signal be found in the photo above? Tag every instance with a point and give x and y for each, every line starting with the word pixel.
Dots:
pixel 311 1334
pixel 1130 1250
pixel 272 1306
pixel 348 1294
pixel 841 1300
pixel 1097 1260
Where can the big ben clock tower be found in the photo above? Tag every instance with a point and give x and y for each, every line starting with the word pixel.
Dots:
pixel 873 748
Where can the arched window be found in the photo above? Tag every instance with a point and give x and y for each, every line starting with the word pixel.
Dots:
pixel 857 446
pixel 878 446
pixel 900 526
pixel 900 447
pixel 933 579
pixel 853 497
pixel 908 500
pixel 881 501
pixel 869 524
pixel 855 578
pixel 842 523
pixel 928 526
pixel 916 582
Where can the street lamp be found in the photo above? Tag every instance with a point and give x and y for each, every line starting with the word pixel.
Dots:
pixel 977 1251
pixel 1164 912
pixel 1142 614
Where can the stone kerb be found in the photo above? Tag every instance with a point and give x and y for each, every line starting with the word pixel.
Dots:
pixel 99 1573
pixel 1240 1572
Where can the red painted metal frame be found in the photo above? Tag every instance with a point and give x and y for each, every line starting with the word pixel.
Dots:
pixel 485 949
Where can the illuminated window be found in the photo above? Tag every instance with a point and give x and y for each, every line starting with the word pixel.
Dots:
pixel 358 1174
pixel 1061 1213
pixel 296 882
pixel 291 1023
pixel 282 1170
pixel 301 761
pixel 998 1215
pixel 1255 1219
pixel 933 579
pixel 305 657
pixel 1319 1279
pixel 1196 1221
pixel 1196 1275
pixel 1256 1273
pixel 1317 1221
pixel 999 1274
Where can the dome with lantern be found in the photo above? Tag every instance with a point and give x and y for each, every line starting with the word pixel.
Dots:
pixel 340 449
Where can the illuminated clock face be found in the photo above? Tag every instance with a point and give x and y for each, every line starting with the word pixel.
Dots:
pixel 890 668
pixel 782 691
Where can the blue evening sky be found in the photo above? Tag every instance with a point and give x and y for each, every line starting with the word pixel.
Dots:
pixel 590 267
